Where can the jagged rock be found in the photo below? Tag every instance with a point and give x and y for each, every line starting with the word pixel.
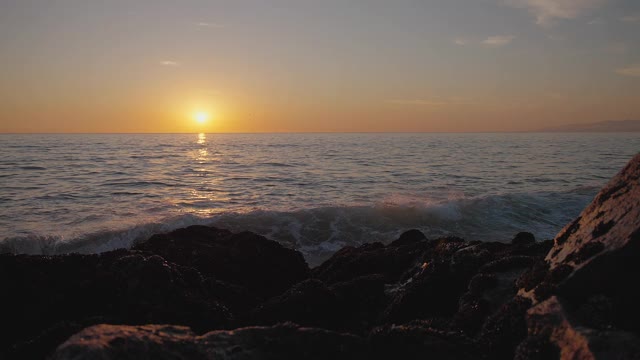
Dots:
pixel 160 342
pixel 263 266
pixel 417 341
pixel 588 307
pixel 550 322
pixel 120 286
pixel 309 303
pixel 523 238
pixel 504 330
pixel 409 237
pixel 390 261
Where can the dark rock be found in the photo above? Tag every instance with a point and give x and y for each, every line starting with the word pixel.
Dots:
pixel 309 303
pixel 504 330
pixel 362 300
pixel 434 292
pixel 409 237
pixel 389 261
pixel 419 342
pixel 263 266
pixel 523 238
pixel 537 348
pixel 550 322
pixel 286 341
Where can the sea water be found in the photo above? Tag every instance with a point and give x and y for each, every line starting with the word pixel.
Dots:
pixel 90 193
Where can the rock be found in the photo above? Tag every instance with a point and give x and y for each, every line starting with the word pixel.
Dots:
pixel 131 342
pixel 586 305
pixel 432 293
pixel 595 252
pixel 362 300
pixel 263 266
pixel 523 238
pixel 414 341
pixel 550 322
pixel 51 294
pixel 309 303
pixel 409 237
pixel 504 330
pixel 390 261
pixel 160 342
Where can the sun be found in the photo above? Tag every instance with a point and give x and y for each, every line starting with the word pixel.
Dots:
pixel 201 117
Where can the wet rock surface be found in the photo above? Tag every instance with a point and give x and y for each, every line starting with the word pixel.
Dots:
pixel 242 296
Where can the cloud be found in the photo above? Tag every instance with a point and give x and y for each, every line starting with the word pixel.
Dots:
pixel 492 41
pixel 209 24
pixel 631 18
pixel 169 63
pixel 461 41
pixel 631 70
pixel 546 11
pixel 500 40
pixel 597 21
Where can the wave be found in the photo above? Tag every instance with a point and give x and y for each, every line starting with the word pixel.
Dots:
pixel 319 231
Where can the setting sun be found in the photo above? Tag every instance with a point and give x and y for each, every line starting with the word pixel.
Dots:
pixel 201 117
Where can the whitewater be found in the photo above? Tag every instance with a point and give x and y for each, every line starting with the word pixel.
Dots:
pixel 90 193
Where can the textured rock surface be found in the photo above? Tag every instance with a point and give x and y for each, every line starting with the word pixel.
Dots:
pixel 160 342
pixel 587 299
pixel 263 266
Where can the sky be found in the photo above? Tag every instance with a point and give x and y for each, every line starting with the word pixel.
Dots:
pixel 316 66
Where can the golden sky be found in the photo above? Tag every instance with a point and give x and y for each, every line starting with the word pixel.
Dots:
pixel 316 66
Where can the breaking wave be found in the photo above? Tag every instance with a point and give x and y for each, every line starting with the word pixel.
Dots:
pixel 319 231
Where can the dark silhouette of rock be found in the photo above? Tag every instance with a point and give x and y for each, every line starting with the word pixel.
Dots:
pixel 419 341
pixel 286 341
pixel 390 261
pixel 523 238
pixel 261 265
pixel 51 294
pixel 309 303
pixel 409 237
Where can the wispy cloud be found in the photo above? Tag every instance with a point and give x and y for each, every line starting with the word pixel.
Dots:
pixel 596 21
pixel 631 70
pixel 169 63
pixel 461 41
pixel 546 11
pixel 499 40
pixel 631 18
pixel 491 41
pixel 209 24
pixel 437 101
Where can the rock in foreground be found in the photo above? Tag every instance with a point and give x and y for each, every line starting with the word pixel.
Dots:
pixel 169 342
pixel 586 296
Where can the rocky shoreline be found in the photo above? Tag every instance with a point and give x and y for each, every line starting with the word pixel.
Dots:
pixel 242 296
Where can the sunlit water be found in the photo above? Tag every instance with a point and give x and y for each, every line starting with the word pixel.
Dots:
pixel 312 192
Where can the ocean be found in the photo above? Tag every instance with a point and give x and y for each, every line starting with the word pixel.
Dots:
pixel 90 193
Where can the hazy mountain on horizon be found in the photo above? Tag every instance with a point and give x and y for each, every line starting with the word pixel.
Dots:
pixel 601 126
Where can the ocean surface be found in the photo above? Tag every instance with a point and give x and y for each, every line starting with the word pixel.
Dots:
pixel 313 192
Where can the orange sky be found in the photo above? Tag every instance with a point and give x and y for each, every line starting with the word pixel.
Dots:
pixel 291 66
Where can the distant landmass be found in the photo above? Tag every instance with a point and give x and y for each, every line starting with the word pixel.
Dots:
pixel 602 126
